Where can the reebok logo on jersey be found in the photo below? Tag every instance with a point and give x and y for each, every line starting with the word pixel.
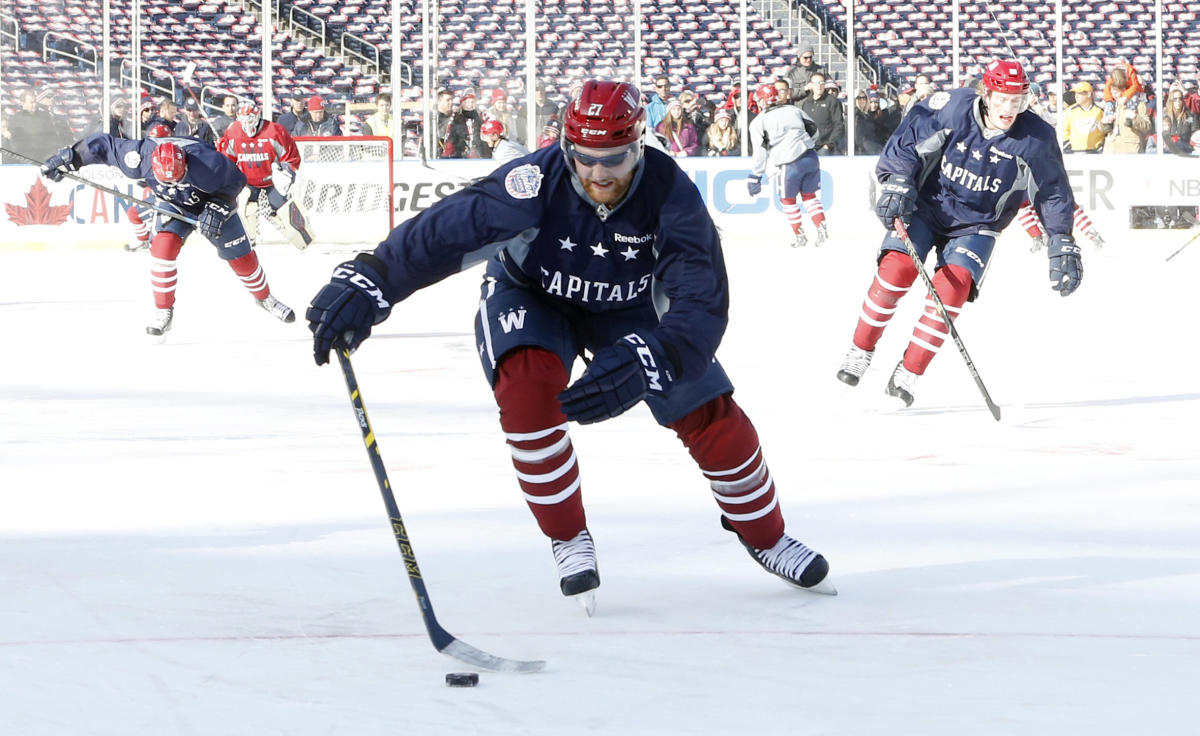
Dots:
pixel 524 182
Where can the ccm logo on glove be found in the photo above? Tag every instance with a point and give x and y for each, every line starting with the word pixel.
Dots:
pixel 363 283
pixel 649 367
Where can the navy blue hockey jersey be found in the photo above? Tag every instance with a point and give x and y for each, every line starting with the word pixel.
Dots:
pixel 209 174
pixel 971 181
pixel 658 244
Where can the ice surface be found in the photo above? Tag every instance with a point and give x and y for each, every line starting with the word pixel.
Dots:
pixel 192 542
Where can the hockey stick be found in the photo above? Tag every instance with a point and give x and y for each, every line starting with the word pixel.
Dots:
pixel 109 190
pixel 439 172
pixel 442 640
pixel 1189 242
pixel 902 231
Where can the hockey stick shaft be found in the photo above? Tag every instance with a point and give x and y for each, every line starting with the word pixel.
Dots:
pixel 902 231
pixel 1189 242
pixel 109 190
pixel 442 640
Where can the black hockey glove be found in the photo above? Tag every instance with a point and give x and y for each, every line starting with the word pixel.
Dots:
pixel 1066 267
pixel 618 377
pixel 753 185
pixel 897 198
pixel 211 219
pixel 63 161
pixel 346 308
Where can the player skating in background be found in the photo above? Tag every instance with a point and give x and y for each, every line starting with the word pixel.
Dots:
pixel 956 170
pixel 267 155
pixel 782 136
pixel 503 150
pixel 604 244
pixel 1033 226
pixel 189 178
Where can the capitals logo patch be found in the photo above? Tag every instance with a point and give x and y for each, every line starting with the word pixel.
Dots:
pixel 524 182
pixel 132 159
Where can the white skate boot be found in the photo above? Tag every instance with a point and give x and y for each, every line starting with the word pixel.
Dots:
pixel 902 384
pixel 161 322
pixel 822 235
pixel 278 309
pixel 578 573
pixel 791 561
pixel 855 365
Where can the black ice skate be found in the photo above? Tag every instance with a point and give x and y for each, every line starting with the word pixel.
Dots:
pixel 854 365
pixel 278 309
pixel 902 384
pixel 161 323
pixel 792 562
pixel 578 573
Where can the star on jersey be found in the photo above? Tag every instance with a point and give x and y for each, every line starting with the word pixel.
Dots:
pixel 977 155
pixel 599 249
pixel 993 159
pixel 962 147
pixel 567 245
pixel 630 253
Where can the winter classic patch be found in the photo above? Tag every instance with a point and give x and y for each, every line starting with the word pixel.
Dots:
pixel 524 182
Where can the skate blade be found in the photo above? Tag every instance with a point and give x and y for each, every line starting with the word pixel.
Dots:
pixel 156 339
pixel 822 588
pixel 587 601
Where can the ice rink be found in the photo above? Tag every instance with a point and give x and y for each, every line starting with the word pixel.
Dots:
pixel 192 541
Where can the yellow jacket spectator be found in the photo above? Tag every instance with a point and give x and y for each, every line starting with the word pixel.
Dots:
pixel 1081 122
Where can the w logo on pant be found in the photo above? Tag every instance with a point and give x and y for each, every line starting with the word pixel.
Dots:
pixel 512 320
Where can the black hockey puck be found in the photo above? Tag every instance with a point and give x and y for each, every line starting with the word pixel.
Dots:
pixel 462 679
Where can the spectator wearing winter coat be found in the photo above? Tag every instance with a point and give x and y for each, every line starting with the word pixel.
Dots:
pixel 682 139
pixel 296 112
pixel 799 74
pixel 464 140
pixel 193 125
pixel 722 138
pixel 656 106
pixel 319 122
pixel 872 125
pixel 826 111
pixel 543 109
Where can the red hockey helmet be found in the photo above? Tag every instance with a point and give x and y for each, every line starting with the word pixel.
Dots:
pixel 249 116
pixel 492 127
pixel 158 130
pixel 765 95
pixel 605 115
pixel 1007 76
pixel 168 163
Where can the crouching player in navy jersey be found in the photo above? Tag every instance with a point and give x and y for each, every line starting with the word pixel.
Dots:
pixel 188 178
pixel 955 172
pixel 603 244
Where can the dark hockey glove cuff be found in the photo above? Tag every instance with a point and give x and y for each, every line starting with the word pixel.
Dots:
pixel 753 185
pixel 618 377
pixel 344 310
pixel 897 198
pixel 1066 264
pixel 65 160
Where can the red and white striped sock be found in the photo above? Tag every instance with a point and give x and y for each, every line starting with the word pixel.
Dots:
pixel 953 285
pixel 1029 219
pixel 1083 223
pixel 164 250
pixel 812 203
pixel 791 210
pixel 892 281
pixel 528 381
pixel 141 230
pixel 725 445
pixel 252 275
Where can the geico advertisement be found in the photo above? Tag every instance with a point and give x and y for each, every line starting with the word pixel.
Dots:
pixel 1106 186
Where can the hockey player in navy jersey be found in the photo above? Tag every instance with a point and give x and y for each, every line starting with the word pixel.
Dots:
pixel 782 135
pixel 189 178
pixel 956 171
pixel 598 243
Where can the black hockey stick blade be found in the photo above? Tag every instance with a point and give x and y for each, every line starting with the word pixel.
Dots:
pixel 442 640
pixel 902 231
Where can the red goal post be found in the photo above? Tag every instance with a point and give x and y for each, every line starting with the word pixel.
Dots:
pixel 345 185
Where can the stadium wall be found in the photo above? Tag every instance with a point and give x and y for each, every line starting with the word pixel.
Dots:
pixel 39 214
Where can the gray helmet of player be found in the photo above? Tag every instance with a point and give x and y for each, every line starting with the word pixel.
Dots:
pixel 249 116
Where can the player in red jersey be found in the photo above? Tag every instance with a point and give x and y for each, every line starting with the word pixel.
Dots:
pixel 268 156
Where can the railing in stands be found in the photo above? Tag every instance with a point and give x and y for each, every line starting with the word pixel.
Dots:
pixel 304 23
pixel 10 31
pixel 154 80
pixel 61 45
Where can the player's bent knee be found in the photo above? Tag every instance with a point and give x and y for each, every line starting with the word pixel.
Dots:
pixel 166 245
pixel 528 381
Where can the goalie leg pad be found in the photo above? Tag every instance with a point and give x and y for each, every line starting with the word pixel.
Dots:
pixel 290 220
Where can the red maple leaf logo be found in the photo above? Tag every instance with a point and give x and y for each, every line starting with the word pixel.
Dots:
pixel 39 211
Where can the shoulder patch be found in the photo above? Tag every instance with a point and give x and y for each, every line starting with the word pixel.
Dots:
pixel 938 100
pixel 524 181
pixel 132 159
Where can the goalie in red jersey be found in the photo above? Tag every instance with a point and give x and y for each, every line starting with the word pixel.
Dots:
pixel 268 156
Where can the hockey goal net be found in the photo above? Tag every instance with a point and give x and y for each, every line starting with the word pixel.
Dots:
pixel 344 186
